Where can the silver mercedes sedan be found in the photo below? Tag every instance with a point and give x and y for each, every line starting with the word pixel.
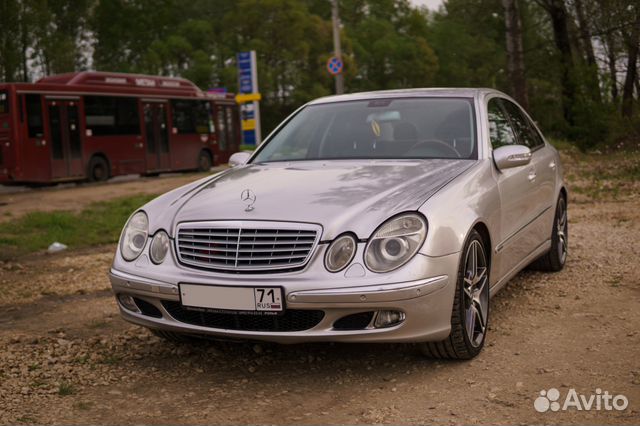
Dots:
pixel 374 217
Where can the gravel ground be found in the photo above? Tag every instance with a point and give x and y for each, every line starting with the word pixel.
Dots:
pixel 66 357
pixel 18 201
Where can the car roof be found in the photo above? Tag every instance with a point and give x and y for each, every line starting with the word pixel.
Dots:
pixel 404 93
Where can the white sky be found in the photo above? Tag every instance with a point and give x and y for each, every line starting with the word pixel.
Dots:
pixel 431 4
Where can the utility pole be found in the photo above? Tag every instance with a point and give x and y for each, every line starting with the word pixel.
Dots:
pixel 337 51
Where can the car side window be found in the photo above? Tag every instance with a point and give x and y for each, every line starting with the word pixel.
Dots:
pixel 524 130
pixel 500 130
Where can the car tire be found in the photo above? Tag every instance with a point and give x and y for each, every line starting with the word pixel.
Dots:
pixel 174 337
pixel 555 258
pixel 204 161
pixel 98 170
pixel 470 313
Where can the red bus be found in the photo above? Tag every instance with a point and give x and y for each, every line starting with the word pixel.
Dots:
pixel 95 125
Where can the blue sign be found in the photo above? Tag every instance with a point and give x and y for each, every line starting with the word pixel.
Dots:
pixel 245 72
pixel 249 137
pixel 334 65
pixel 248 97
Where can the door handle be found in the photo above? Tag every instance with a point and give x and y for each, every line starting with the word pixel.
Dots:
pixel 552 165
pixel 138 145
pixel 532 176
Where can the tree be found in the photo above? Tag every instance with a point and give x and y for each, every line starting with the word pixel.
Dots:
pixel 515 54
pixel 560 23
pixel 633 44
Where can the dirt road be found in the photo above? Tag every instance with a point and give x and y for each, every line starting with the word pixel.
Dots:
pixel 66 356
pixel 16 202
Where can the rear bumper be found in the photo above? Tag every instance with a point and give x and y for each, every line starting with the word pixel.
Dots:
pixel 426 305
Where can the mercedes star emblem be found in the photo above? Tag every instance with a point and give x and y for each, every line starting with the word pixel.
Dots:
pixel 248 197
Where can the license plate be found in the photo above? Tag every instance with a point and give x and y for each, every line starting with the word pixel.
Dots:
pixel 246 299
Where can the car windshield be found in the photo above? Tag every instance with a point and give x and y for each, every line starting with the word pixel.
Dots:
pixel 396 128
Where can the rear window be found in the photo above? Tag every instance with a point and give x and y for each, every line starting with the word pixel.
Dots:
pixel 4 102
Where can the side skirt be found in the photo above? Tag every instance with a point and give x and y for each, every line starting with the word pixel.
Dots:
pixel 539 251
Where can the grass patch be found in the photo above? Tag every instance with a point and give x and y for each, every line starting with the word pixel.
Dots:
pixel 65 389
pixel 83 405
pixel 99 223
pixel 111 360
pixel 597 176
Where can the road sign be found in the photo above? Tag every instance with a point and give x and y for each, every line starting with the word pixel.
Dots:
pixel 334 65
pixel 249 97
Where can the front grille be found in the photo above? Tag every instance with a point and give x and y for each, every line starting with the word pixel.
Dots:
pixel 291 320
pixel 246 246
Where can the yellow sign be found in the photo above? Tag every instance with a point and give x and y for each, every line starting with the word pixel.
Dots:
pixel 248 124
pixel 249 97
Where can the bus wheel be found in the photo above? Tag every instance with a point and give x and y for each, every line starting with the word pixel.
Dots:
pixel 204 161
pixel 98 169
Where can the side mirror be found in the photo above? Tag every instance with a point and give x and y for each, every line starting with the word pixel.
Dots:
pixel 239 159
pixel 509 156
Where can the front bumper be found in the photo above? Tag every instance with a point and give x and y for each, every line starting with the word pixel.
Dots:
pixel 426 304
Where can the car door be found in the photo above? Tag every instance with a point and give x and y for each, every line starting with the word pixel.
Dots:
pixel 517 187
pixel 543 164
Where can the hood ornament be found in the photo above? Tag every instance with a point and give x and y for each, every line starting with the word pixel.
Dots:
pixel 249 198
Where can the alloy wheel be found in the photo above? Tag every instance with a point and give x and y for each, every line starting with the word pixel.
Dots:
pixel 561 230
pixel 476 293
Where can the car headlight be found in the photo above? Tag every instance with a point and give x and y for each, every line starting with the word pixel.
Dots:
pixel 134 236
pixel 395 242
pixel 159 247
pixel 340 253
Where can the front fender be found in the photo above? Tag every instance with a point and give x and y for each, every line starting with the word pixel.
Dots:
pixel 454 210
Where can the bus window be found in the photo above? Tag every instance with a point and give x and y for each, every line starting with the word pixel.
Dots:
pixel 107 115
pixel 34 116
pixel 190 117
pixel 4 102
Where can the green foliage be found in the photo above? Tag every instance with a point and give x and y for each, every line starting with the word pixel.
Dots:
pixel 386 44
pixel 468 36
pixel 66 388
pixel 100 223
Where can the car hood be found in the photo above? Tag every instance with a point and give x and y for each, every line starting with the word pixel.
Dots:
pixel 340 196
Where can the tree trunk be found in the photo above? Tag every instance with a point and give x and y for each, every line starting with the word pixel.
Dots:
pixel 560 23
pixel 24 43
pixel 585 33
pixel 587 47
pixel 515 55
pixel 633 44
pixel 613 72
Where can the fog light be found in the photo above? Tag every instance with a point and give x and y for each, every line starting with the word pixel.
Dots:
pixel 159 247
pixel 128 302
pixel 388 318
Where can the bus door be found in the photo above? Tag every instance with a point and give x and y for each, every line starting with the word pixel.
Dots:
pixel 156 128
pixel 227 131
pixel 64 134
